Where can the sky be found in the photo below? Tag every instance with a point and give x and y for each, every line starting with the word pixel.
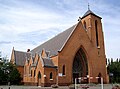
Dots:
pixel 25 24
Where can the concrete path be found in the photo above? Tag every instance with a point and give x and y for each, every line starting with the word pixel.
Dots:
pixel 106 86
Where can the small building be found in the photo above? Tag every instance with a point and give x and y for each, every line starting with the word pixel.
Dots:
pixel 78 52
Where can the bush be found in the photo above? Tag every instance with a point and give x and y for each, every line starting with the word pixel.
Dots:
pixel 116 87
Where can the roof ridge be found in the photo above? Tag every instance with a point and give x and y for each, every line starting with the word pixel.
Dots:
pixel 22 51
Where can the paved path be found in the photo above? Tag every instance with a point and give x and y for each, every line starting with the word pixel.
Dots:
pixel 106 86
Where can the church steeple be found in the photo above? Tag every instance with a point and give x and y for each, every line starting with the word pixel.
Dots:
pixel 93 27
pixel 89 12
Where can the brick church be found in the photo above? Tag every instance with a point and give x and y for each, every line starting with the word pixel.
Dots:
pixel 78 52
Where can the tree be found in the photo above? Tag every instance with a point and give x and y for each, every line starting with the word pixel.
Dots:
pixel 114 70
pixel 3 77
pixel 111 60
pixel 9 73
pixel 13 75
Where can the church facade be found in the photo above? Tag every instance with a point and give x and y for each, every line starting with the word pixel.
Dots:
pixel 78 52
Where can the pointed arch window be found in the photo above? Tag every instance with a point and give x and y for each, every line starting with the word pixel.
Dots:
pixel 80 64
pixel 51 76
pixel 63 70
pixel 96 29
pixel 34 73
pixel 29 68
pixel 31 73
pixel 39 75
pixel 99 79
pixel 85 25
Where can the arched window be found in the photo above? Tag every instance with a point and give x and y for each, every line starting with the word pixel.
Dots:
pixel 31 73
pixel 99 79
pixel 34 73
pixel 80 65
pixel 85 25
pixel 96 29
pixel 29 68
pixel 39 75
pixel 63 70
pixel 51 77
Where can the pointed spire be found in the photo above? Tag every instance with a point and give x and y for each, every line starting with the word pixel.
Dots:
pixel 13 48
pixel 89 12
pixel 88 6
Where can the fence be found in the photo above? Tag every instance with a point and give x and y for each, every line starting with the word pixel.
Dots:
pixel 85 87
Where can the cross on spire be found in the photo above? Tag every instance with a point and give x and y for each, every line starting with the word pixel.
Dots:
pixel 88 6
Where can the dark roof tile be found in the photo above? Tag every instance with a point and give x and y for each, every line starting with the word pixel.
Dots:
pixel 88 13
pixel 55 44
pixel 20 57
pixel 48 62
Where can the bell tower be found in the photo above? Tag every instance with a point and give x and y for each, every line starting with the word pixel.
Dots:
pixel 93 26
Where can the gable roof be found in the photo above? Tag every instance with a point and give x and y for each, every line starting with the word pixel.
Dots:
pixel 55 44
pixel 51 46
pixel 90 12
pixel 20 57
pixel 48 63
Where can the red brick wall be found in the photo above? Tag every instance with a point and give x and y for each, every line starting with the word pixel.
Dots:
pixel 21 71
pixel 95 56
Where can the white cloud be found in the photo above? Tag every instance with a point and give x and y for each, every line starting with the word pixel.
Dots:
pixel 29 22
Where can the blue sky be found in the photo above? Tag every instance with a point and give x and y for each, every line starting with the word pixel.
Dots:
pixel 28 23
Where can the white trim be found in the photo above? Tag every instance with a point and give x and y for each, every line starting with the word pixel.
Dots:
pixel 44 76
pixel 51 79
pixel 60 74
pixel 98 47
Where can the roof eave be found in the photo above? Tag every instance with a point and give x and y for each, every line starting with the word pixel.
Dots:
pixel 91 14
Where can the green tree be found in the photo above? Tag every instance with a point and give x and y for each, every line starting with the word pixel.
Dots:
pixel 3 77
pixel 13 75
pixel 9 73
pixel 114 68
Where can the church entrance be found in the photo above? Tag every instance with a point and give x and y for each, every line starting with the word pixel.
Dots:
pixel 80 67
